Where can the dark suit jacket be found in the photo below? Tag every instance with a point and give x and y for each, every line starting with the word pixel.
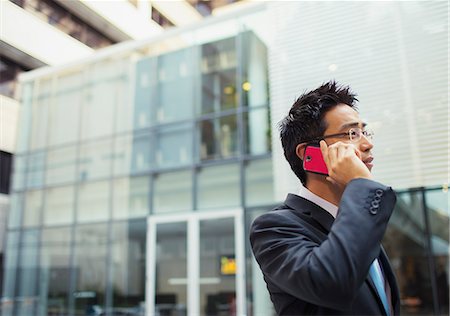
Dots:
pixel 316 265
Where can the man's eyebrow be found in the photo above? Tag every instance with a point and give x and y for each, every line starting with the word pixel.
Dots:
pixel 352 124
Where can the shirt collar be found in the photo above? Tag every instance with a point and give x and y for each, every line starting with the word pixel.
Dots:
pixel 327 206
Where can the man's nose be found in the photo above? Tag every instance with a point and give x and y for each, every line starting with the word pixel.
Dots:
pixel 365 143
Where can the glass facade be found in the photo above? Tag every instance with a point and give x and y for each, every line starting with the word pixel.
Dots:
pixel 130 138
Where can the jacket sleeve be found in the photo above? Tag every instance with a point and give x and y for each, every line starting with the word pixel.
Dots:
pixel 330 273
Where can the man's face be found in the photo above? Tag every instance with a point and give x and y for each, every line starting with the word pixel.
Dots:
pixel 341 119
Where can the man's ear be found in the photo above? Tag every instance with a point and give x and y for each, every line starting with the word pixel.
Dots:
pixel 300 150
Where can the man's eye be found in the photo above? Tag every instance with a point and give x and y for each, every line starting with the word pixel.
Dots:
pixel 353 133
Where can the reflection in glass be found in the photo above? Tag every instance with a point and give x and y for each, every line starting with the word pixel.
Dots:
pixel 171 269
pixel 130 197
pixel 95 160
pixel 217 267
pixel 61 165
pixel 173 192
pixel 257 131
pixel 59 205
pixel 93 202
pixel 28 273
pixel 174 146
pixel 33 208
pixel 439 213
pixel 259 183
pixel 405 242
pixel 128 257
pixel 54 275
pixel 218 186
pixel 90 268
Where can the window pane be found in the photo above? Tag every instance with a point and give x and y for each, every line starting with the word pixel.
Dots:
pixel 23 133
pixel 218 186
pixel 130 198
pixel 93 202
pixel 438 212
pixel 175 91
pixel 59 206
pixel 95 160
pixel 39 122
pixel 33 208
pixel 15 210
pixel 61 165
pixel 173 192
pixel 257 132
pixel 36 166
pixel 146 77
pixel 255 85
pixel 259 183
pixel 218 76
pixel 97 110
pixel 9 283
pixel 406 243
pixel 90 266
pixel 19 171
pixel 132 154
pixel 218 138
pixel 55 271
pixel 28 273
pixel 102 96
pixel 217 267
pixel 128 276
pixel 171 267
pixel 174 146
pixel 65 111
pixel 228 136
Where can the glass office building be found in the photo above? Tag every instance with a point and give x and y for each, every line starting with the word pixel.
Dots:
pixel 139 170
pixel 136 176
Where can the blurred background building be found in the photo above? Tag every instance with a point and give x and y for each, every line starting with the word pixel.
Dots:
pixel 138 167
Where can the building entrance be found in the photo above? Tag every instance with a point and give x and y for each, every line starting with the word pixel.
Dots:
pixel 195 264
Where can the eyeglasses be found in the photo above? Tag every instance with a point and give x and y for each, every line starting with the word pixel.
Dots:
pixel 353 134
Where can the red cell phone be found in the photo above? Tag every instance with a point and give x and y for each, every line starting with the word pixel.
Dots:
pixel 313 160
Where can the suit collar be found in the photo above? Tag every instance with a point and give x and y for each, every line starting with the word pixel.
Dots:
pixel 302 205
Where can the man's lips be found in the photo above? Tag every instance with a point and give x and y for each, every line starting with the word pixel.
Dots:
pixel 368 162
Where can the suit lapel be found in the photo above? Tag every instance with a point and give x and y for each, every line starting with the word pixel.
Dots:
pixel 304 206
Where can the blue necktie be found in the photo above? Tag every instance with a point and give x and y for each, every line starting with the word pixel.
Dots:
pixel 379 284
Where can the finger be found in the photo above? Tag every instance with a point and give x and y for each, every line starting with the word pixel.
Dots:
pixel 324 149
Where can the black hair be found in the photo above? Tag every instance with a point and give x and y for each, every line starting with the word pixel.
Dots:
pixel 305 120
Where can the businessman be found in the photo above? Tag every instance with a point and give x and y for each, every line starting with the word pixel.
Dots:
pixel 320 251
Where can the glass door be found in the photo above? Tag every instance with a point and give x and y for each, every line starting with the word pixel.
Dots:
pixel 195 264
